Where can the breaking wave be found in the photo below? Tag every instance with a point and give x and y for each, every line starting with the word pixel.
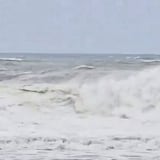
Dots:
pixel 109 95
pixel 11 59
pixel 84 67
pixel 150 60
pixel 139 91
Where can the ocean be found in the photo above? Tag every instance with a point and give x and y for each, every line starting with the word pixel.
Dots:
pixel 79 106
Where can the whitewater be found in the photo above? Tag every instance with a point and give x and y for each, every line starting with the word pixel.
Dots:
pixel 79 107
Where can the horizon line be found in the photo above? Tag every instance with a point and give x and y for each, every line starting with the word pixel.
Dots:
pixel 76 53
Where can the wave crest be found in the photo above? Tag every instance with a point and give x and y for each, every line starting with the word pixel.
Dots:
pixel 84 67
pixel 11 59
pixel 139 92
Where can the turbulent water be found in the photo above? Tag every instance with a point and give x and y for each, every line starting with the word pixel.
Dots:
pixel 79 106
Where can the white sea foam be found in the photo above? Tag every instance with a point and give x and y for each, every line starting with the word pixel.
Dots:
pixel 84 67
pixel 150 60
pixel 11 59
pixel 139 91
pixel 112 116
pixel 137 57
pixel 106 95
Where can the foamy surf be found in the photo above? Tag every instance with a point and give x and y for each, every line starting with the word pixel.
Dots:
pixel 76 114
pixel 11 59
pixel 104 95
pixel 84 67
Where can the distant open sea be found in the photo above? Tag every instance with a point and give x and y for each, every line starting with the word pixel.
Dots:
pixel 79 106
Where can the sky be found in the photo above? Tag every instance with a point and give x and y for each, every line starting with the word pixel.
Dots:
pixel 80 26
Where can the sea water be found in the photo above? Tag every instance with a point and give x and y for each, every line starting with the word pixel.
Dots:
pixel 79 106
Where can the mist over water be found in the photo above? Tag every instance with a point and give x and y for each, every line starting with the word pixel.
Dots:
pixel 82 98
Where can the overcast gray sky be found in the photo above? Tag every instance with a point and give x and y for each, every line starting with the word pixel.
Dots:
pixel 80 26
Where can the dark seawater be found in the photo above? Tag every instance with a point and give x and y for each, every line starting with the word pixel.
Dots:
pixel 62 66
